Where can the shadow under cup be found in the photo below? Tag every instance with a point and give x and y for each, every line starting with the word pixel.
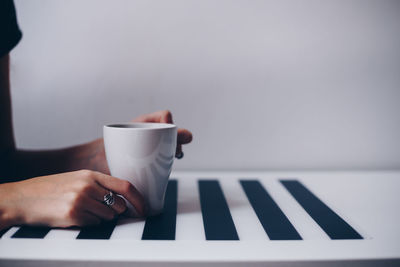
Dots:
pixel 143 154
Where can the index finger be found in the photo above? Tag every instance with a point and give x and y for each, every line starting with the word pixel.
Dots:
pixel 124 188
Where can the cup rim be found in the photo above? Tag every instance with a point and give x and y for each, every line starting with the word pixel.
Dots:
pixel 141 126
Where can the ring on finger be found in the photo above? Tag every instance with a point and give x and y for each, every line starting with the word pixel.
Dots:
pixel 109 199
pixel 179 155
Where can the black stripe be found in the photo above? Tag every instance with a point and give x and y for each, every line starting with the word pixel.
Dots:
pixel 327 219
pixel 274 221
pixel 217 219
pixel 2 232
pixel 101 231
pixel 31 232
pixel 162 226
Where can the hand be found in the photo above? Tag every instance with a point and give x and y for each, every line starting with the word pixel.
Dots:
pixel 165 116
pixel 92 155
pixel 66 199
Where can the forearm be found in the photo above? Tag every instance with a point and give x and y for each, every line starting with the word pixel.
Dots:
pixel 23 164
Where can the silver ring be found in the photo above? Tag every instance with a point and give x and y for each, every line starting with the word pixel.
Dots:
pixel 108 199
pixel 180 155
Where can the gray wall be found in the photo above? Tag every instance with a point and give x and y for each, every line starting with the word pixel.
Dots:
pixel 262 84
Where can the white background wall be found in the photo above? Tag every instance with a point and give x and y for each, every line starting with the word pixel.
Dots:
pixel 262 84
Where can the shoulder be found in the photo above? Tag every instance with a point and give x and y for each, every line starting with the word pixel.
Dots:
pixel 10 33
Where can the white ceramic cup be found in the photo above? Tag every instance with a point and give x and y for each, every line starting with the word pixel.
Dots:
pixel 143 154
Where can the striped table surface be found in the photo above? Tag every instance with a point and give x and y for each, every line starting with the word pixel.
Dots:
pixel 239 218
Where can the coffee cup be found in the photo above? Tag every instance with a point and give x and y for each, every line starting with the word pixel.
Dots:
pixel 143 154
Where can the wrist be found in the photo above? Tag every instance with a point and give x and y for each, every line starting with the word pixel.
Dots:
pixel 82 156
pixel 10 212
pixel 91 156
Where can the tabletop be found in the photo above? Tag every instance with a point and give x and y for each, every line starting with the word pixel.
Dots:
pixel 236 219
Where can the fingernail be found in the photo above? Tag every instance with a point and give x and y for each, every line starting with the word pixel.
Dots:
pixel 179 155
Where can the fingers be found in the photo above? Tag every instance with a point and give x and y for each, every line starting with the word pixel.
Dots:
pixel 184 136
pixel 119 206
pixel 164 116
pixel 98 194
pixel 86 199
pixel 99 209
pixel 85 218
pixel 178 152
pixel 124 188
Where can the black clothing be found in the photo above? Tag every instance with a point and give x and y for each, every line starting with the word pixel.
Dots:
pixel 10 33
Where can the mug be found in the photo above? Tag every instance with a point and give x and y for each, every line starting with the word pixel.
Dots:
pixel 143 154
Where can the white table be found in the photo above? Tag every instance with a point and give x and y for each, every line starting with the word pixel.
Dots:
pixel 302 232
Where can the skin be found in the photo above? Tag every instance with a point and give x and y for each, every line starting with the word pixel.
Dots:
pixel 63 187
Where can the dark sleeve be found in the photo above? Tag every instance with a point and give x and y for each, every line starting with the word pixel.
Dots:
pixel 10 33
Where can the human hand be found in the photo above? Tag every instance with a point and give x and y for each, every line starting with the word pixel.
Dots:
pixel 165 116
pixel 92 155
pixel 67 199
